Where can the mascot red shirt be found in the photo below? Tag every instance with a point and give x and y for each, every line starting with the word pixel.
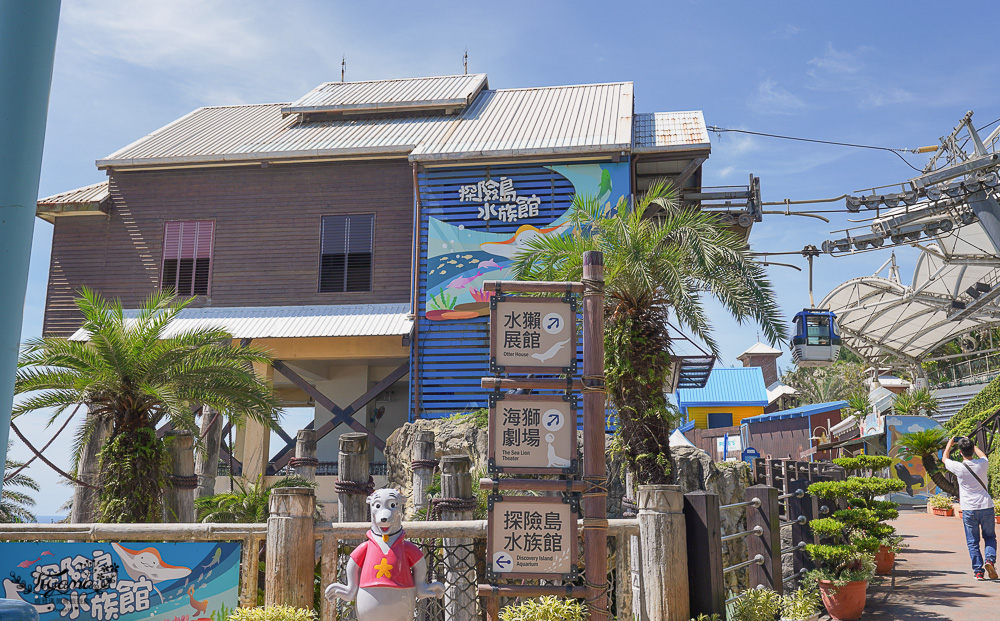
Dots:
pixel 383 565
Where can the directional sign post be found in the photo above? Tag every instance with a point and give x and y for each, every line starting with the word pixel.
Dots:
pixel 532 434
pixel 532 335
pixel 531 537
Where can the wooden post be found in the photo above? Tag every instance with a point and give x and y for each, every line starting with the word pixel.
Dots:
pixel 461 586
pixel 594 505
pixel 422 462
pixel 706 582
pixel 800 508
pixel 291 547
pixel 328 575
pixel 352 466
pixel 304 463
pixel 206 460
pixel 664 552
pixel 768 545
pixel 85 499
pixel 635 557
pixel 178 498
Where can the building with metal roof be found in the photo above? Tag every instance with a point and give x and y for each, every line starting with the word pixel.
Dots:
pixel 796 433
pixel 729 396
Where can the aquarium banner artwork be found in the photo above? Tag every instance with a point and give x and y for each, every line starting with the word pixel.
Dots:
pixel 919 485
pixel 123 582
pixel 479 218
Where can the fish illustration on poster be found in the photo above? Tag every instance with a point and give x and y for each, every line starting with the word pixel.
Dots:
pixel 919 485
pixel 123 581
pixel 461 256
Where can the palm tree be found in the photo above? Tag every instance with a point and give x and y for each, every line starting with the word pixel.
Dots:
pixel 131 377
pixel 925 446
pixel 859 404
pixel 247 505
pixel 914 402
pixel 15 506
pixel 654 265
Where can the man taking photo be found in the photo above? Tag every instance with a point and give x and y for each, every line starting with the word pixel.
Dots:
pixel 976 504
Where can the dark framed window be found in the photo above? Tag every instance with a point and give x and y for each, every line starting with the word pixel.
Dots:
pixel 346 244
pixel 187 256
pixel 720 419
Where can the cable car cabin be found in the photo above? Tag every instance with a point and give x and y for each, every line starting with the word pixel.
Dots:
pixel 816 342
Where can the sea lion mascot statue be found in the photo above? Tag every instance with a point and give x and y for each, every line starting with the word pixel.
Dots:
pixel 386 574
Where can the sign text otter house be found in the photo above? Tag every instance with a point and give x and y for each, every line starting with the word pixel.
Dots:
pixel 535 537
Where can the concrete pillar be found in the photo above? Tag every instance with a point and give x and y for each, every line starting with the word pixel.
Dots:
pixel 304 463
pixel 353 477
pixel 206 460
pixel 664 553
pixel 178 498
pixel 457 503
pixel 423 462
pixel 85 499
pixel 291 547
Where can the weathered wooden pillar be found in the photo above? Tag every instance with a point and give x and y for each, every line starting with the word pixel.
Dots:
pixel 178 498
pixel 291 547
pixel 353 484
pixel 457 503
pixel 304 463
pixel 800 511
pixel 706 582
pixel 206 460
pixel 768 545
pixel 664 553
pixel 635 556
pixel 88 470
pixel 423 464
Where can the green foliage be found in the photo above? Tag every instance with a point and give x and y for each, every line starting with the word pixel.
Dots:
pixel 940 501
pixel 15 505
pixel 801 604
pixel 443 301
pixel 921 443
pixel 858 403
pixel 915 402
pixel 836 382
pixel 826 527
pixel 222 614
pixel 977 409
pixel 757 605
pixel 704 617
pixel 993 472
pixel 273 613
pixel 480 418
pixel 248 504
pixel 549 608
pixel 864 463
pixel 131 378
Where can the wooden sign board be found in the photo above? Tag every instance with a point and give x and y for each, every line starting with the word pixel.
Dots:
pixel 532 335
pixel 532 537
pixel 532 434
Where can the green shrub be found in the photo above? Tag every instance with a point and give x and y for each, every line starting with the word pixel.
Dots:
pixel 979 407
pixel 757 605
pixel 801 604
pixel 273 613
pixel 550 608
pixel 941 501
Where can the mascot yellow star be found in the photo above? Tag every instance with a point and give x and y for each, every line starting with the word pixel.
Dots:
pixel 383 569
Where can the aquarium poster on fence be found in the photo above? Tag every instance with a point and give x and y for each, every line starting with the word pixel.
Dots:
pixel 123 581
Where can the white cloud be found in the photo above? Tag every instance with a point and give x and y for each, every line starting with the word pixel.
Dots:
pixel 895 422
pixel 772 98
pixel 888 96
pixel 915 427
pixel 838 61
pixel 786 31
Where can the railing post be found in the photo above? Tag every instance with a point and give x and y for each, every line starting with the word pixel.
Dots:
pixel 304 463
pixel 206 460
pixel 178 498
pixel 457 503
pixel 768 545
pixel 800 508
pixel 706 583
pixel 291 547
pixel 664 552
pixel 423 464
pixel 353 478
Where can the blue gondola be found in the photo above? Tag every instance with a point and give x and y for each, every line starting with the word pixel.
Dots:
pixel 816 342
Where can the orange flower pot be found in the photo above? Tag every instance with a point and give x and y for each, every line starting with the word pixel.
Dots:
pixel 844 603
pixel 885 559
pixel 945 512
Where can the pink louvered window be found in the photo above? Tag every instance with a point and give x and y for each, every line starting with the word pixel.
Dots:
pixel 187 256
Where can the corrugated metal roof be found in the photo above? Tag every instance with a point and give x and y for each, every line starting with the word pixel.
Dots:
pixel 452 91
pixel 739 386
pixel 595 118
pixel 257 322
pixel 760 349
pixel 669 131
pixel 95 193
pixel 804 410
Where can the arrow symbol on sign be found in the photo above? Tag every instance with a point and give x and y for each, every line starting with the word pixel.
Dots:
pixel 553 419
pixel 501 562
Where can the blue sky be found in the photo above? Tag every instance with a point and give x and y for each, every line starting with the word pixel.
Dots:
pixel 882 73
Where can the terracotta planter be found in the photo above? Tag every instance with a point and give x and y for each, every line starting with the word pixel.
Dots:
pixel 945 512
pixel 844 603
pixel 885 559
pixel 958 510
pixel 997 518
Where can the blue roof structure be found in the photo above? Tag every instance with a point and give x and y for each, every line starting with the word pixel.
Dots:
pixel 803 410
pixel 738 386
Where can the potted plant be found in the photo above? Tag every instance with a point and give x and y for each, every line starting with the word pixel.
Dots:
pixel 885 558
pixel 941 504
pixel 851 536
pixel 757 605
pixel 801 605
pixel 549 608
pixel 272 613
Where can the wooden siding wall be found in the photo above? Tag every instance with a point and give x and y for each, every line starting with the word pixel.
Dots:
pixel 451 357
pixel 781 438
pixel 267 234
pixel 705 439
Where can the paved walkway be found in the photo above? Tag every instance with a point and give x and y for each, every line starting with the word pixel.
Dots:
pixel 933 576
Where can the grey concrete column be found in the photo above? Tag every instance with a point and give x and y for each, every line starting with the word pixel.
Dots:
pixel 206 461
pixel 178 498
pixel 663 537
pixel 291 547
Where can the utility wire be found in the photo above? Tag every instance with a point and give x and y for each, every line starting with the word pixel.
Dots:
pixel 897 152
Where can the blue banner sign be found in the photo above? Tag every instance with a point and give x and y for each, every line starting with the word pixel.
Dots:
pixel 123 582
pixel 750 454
